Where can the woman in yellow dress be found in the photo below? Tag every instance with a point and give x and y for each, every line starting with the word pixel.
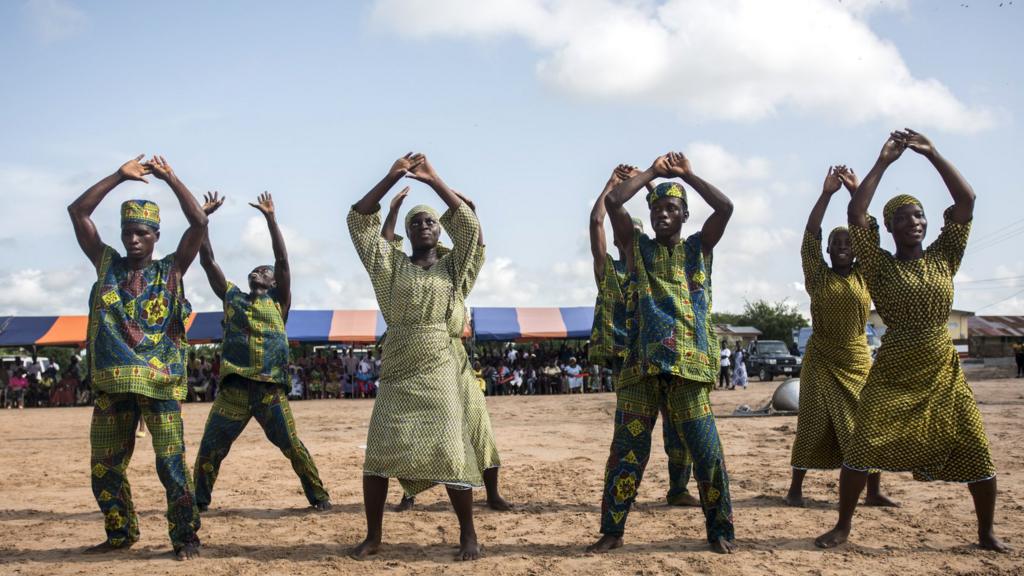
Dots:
pixel 916 411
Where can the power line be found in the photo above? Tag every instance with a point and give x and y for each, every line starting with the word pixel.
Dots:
pixel 1021 291
pixel 989 279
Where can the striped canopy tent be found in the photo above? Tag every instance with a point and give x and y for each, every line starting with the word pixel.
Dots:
pixel 349 326
pixel 506 324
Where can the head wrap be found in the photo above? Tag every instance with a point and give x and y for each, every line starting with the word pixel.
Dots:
pixel 666 190
pixel 419 209
pixel 638 224
pixel 898 201
pixel 833 232
pixel 140 212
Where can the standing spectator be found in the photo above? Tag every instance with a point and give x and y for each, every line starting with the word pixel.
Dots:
pixel 1019 355
pixel 739 371
pixel 512 356
pixel 17 386
pixel 723 372
pixel 572 373
pixel 5 379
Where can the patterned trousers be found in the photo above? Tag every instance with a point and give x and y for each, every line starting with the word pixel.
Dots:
pixel 688 409
pixel 112 441
pixel 238 400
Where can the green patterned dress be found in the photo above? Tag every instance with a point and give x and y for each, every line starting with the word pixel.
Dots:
pixel 917 412
pixel 422 427
pixel 836 363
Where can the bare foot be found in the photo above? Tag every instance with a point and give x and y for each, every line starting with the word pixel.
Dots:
pixel 796 500
pixel 189 551
pixel 685 499
pixel 469 549
pixel 498 503
pixel 406 504
pixel 365 550
pixel 606 543
pixel 880 500
pixel 832 538
pixel 105 547
pixel 723 546
pixel 990 542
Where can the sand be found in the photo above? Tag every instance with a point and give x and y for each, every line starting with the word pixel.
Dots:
pixel 554 449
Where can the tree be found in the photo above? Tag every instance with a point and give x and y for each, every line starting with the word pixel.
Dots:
pixel 775 320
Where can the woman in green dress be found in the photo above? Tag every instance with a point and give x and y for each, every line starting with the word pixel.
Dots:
pixel 422 430
pixel 837 360
pixel 916 411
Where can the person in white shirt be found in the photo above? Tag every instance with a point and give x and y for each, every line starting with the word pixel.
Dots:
pixel 723 372
pixel 572 371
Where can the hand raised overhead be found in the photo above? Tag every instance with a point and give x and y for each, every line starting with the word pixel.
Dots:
pixel 160 168
pixel 679 165
pixel 422 171
pixel 892 149
pixel 134 170
pixel 264 203
pixel 832 182
pixel 848 178
pixel 212 201
pixel 403 165
pixel 396 202
pixel 915 141
pixel 622 172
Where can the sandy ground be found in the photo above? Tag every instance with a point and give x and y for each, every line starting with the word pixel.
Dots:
pixel 554 449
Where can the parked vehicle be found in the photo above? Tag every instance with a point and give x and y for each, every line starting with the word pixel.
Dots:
pixel 771 358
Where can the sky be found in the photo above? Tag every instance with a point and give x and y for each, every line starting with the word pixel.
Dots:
pixel 524 105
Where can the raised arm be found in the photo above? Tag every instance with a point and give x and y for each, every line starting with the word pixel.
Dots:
pixel 370 203
pixel 388 230
pixel 959 189
pixel 598 243
pixel 721 206
pixel 857 212
pixel 282 272
pixel 192 239
pixel 615 204
pixel 831 186
pixel 82 208
pixel 472 206
pixel 214 275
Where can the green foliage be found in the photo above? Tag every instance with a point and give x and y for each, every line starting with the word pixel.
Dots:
pixel 775 320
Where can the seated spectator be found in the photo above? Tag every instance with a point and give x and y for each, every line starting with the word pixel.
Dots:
pixel 572 373
pixel 17 388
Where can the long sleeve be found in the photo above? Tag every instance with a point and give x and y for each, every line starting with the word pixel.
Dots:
pixel 464 229
pixel 813 264
pixel 867 247
pixel 376 254
pixel 952 242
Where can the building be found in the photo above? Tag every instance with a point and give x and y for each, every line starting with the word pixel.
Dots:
pixel 733 334
pixel 995 336
pixel 957 326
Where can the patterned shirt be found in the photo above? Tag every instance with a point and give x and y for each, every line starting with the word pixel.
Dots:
pixel 255 341
pixel 669 319
pixel 839 305
pixel 608 336
pixel 137 328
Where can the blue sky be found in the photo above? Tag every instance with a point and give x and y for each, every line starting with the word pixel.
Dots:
pixel 526 106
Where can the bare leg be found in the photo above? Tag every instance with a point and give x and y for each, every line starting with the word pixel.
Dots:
pixel 874 496
pixel 494 499
pixel 984 494
pixel 462 502
pixel 375 493
pixel 851 484
pixel 795 497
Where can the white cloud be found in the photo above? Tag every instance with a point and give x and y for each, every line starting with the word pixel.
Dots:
pixel 53 20
pixel 34 292
pixel 739 60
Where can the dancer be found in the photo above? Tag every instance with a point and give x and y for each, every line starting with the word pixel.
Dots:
pixel 137 354
pixel 917 412
pixel 421 430
pixel 254 379
pixel 673 358
pixel 608 341
pixel 487 450
pixel 837 359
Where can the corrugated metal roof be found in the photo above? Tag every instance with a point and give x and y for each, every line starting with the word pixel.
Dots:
pixel 995 326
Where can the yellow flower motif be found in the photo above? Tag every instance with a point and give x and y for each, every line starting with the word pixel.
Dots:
pixel 99 470
pixel 114 520
pixel 625 488
pixel 699 277
pixel 713 495
pixel 635 427
pixel 105 496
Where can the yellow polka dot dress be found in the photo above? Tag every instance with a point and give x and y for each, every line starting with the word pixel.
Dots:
pixel 836 362
pixel 917 412
pixel 425 428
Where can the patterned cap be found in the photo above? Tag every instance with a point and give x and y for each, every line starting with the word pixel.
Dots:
pixel 140 212
pixel 419 209
pixel 898 201
pixel 666 190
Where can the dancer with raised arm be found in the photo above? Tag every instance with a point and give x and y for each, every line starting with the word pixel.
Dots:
pixel 608 339
pixel 837 360
pixel 137 354
pixel 254 380
pixel 916 411
pixel 673 359
pixel 421 430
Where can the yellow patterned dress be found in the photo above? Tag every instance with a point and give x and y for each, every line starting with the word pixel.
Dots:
pixel 917 412
pixel 422 427
pixel 836 363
